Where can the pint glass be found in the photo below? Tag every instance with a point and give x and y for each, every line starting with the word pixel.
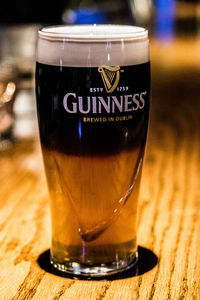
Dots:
pixel 93 87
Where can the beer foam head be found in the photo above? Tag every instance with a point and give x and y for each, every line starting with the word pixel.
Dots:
pixel 93 45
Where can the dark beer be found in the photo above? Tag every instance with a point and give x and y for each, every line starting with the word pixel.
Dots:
pixel 93 119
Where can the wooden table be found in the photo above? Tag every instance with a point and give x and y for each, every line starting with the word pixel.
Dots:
pixel 169 210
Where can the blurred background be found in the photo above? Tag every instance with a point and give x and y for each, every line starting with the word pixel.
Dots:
pixel 174 27
pixel 169 211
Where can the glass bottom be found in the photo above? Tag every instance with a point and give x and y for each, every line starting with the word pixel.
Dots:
pixel 99 270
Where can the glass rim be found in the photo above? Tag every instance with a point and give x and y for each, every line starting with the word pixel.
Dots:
pixel 93 33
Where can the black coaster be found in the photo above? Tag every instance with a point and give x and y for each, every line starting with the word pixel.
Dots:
pixel 147 261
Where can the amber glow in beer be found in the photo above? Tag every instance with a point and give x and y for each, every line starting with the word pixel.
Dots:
pixel 93 87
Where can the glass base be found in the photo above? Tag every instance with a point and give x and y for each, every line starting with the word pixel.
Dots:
pixel 74 268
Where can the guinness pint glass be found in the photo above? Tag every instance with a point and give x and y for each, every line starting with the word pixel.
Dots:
pixel 93 87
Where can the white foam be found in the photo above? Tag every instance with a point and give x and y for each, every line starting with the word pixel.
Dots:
pixel 91 46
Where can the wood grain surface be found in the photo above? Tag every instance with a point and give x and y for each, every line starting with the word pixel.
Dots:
pixel 169 210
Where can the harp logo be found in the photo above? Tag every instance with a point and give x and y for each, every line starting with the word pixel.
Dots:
pixel 110 77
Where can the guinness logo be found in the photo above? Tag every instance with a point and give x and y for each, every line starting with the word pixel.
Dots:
pixel 110 76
